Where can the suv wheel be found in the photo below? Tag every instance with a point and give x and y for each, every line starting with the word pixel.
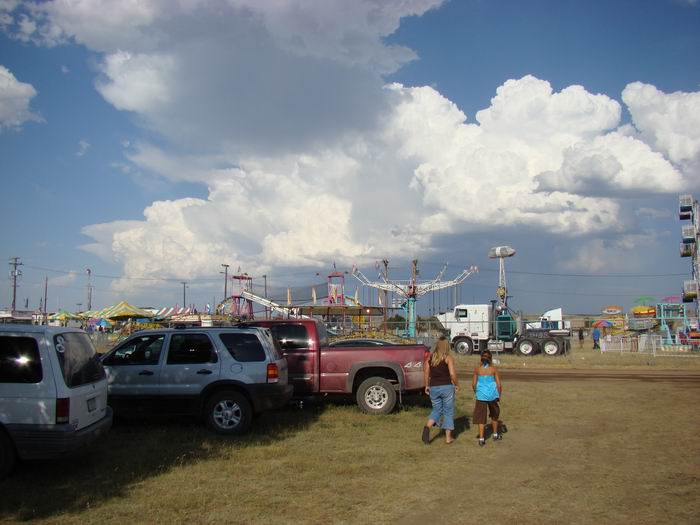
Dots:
pixel 7 454
pixel 376 395
pixel 228 412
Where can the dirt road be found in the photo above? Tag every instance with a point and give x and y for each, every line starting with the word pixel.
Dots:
pixel 652 376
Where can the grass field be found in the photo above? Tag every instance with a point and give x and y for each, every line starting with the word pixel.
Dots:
pixel 595 451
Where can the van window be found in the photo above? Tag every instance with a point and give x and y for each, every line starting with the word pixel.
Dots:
pixel 244 347
pixel 79 362
pixel 141 350
pixel 291 336
pixel 186 349
pixel 19 360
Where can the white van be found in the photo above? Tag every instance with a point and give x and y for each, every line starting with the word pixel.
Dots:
pixel 53 393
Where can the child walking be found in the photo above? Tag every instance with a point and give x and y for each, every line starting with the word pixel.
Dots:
pixel 440 383
pixel 486 383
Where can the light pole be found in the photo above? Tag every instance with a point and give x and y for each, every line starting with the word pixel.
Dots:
pixel 89 290
pixel 266 309
pixel 184 293
pixel 225 272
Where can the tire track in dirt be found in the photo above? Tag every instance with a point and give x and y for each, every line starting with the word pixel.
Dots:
pixel 652 376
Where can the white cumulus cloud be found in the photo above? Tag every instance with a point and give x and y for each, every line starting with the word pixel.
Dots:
pixel 669 122
pixel 15 97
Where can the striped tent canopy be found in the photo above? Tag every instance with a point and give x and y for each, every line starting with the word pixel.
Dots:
pixel 63 315
pixel 168 312
pixel 121 310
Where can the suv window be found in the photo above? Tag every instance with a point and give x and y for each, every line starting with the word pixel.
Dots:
pixel 186 349
pixel 19 360
pixel 244 347
pixel 291 336
pixel 143 350
pixel 79 362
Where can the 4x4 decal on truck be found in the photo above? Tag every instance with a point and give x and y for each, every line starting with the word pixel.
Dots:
pixel 417 364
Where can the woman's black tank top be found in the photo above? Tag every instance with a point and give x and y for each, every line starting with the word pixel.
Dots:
pixel 440 374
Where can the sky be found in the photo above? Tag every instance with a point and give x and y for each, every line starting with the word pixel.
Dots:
pixel 152 141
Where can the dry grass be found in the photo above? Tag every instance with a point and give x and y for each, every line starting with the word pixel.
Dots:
pixel 580 451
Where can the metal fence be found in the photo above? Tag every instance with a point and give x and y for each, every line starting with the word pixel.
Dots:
pixel 646 344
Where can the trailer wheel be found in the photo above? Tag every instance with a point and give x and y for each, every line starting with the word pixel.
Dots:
pixel 525 347
pixel 464 346
pixel 551 347
pixel 376 395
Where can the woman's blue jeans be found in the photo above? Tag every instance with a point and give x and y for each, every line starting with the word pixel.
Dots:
pixel 443 399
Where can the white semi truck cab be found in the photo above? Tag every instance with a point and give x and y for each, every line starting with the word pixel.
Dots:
pixel 475 327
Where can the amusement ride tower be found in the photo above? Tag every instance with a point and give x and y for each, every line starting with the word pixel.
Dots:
pixel 412 289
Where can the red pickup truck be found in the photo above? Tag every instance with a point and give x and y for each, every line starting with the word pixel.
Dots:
pixel 374 374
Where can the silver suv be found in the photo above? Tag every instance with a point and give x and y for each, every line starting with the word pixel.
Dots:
pixel 53 393
pixel 223 374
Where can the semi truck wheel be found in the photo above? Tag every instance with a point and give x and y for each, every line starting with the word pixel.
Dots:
pixel 376 395
pixel 551 347
pixel 525 347
pixel 463 346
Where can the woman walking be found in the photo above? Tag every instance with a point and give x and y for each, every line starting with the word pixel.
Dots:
pixel 486 383
pixel 441 384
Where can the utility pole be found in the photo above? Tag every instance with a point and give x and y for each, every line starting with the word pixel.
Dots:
pixel 46 298
pixel 14 273
pixel 225 272
pixel 184 293
pixel 385 262
pixel 266 309
pixel 89 290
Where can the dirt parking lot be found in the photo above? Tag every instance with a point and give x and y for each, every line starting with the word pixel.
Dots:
pixel 580 449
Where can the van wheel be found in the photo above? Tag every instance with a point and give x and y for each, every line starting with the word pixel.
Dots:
pixel 464 346
pixel 525 347
pixel 228 412
pixel 376 395
pixel 7 454
pixel 551 347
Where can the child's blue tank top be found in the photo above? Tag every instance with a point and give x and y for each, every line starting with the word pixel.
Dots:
pixel 486 388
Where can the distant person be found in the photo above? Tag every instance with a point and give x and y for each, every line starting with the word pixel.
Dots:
pixel 486 383
pixel 440 379
pixel 580 338
pixel 596 338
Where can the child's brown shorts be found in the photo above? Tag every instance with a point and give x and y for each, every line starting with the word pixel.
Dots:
pixel 479 417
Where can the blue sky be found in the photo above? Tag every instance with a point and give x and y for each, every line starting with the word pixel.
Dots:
pixel 146 142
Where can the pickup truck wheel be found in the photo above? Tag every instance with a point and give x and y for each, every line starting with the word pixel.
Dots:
pixel 7 454
pixel 551 347
pixel 228 412
pixel 463 346
pixel 376 395
pixel 525 347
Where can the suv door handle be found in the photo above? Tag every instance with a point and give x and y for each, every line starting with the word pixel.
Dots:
pixel 204 371
pixel 302 358
pixel 145 373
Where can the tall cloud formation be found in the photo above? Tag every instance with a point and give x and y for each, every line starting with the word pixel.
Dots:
pixel 282 111
pixel 15 97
